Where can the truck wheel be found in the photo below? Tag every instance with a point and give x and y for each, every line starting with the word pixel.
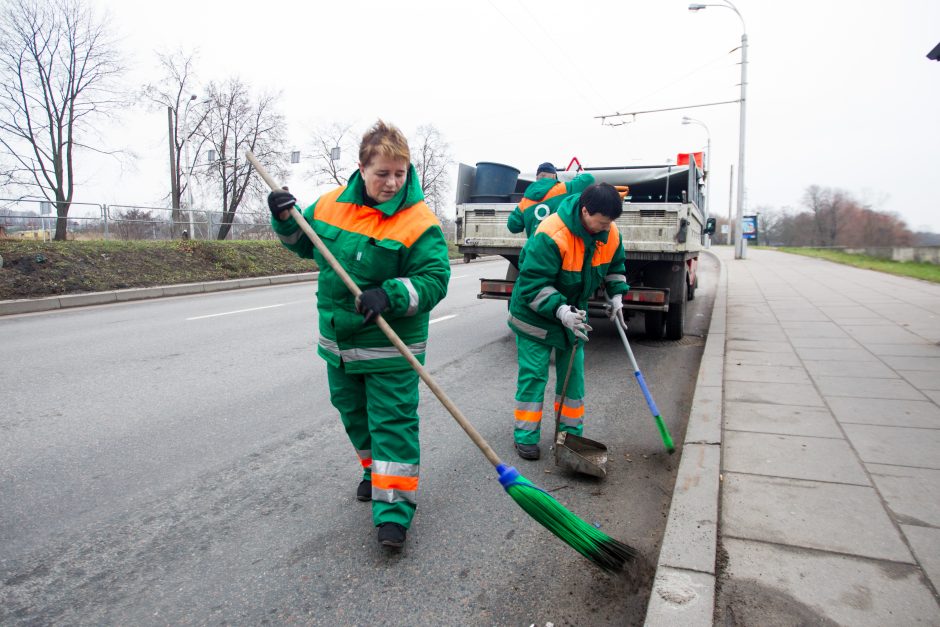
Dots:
pixel 675 317
pixel 655 323
pixel 467 257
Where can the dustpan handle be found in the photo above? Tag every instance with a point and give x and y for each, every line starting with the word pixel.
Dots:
pixel 564 388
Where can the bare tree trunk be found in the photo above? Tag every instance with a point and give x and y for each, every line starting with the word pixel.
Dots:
pixel 57 64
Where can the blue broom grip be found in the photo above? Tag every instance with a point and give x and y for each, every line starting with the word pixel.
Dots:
pixel 646 393
pixel 508 475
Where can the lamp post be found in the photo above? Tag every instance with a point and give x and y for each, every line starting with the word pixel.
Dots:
pixel 708 161
pixel 740 246
pixel 188 167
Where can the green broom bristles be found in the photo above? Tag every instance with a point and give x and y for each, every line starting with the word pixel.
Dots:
pixel 597 546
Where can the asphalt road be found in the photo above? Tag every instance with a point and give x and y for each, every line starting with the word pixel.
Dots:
pixel 178 461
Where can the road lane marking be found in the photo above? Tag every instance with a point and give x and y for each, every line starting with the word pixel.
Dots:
pixel 229 313
pixel 442 318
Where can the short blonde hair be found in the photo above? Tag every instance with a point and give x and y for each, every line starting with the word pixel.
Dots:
pixel 385 140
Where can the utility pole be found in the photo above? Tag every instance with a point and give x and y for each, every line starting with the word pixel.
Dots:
pixel 174 181
pixel 730 194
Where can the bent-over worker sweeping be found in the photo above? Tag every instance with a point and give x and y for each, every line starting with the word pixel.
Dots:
pixel 571 254
pixel 387 239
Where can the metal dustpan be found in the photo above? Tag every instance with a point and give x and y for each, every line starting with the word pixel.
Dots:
pixel 574 452
pixel 588 457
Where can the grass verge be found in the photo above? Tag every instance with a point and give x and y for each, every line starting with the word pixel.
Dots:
pixel 37 269
pixel 912 269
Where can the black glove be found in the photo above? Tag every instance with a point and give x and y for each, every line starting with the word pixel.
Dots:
pixel 371 303
pixel 279 202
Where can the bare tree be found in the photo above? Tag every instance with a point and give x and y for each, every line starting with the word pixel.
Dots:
pixel 176 92
pixel 431 156
pixel 237 121
pixel 57 65
pixel 323 141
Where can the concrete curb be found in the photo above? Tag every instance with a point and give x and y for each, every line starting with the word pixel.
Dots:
pixel 34 305
pixel 684 588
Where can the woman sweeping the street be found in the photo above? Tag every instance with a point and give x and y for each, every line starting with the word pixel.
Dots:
pixel 388 240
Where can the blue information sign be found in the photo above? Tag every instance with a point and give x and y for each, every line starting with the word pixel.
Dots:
pixel 749 227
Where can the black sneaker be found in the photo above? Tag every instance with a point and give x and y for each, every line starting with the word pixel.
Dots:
pixel 528 451
pixel 392 534
pixel 364 491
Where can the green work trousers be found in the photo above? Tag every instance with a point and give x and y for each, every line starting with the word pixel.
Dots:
pixel 533 358
pixel 380 413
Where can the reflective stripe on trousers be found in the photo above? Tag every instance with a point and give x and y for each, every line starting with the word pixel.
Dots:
pixel 393 482
pixel 572 411
pixel 380 413
pixel 528 415
pixel 533 358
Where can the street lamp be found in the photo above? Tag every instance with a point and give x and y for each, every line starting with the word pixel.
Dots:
pixel 189 187
pixel 740 246
pixel 708 161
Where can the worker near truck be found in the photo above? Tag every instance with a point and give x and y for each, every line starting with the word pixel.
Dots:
pixel 542 198
pixel 572 253
pixel 387 239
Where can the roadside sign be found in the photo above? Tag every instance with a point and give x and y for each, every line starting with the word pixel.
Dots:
pixel 749 227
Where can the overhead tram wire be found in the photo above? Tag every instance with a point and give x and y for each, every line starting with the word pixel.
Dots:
pixel 681 78
pixel 558 46
pixel 537 46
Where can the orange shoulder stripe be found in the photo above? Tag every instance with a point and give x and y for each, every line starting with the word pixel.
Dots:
pixel 406 226
pixel 570 247
pixel 605 252
pixel 555 190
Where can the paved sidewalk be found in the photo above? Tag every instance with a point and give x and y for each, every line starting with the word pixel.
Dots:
pixel 825 380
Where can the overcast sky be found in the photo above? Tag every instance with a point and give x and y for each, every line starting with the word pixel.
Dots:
pixel 840 93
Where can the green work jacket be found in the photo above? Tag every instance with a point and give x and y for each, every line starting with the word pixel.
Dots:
pixel 563 264
pixel 541 199
pixel 397 245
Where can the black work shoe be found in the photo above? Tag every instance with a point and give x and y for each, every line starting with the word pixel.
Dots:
pixel 364 491
pixel 528 451
pixel 392 534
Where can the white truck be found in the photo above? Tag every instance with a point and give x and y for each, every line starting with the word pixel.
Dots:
pixel 662 226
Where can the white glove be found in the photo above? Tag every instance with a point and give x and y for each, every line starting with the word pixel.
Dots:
pixel 574 319
pixel 613 307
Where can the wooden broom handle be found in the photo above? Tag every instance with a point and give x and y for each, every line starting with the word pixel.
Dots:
pixel 382 324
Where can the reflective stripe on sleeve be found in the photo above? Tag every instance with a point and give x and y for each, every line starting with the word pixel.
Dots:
pixel 525 327
pixel 610 278
pixel 393 482
pixel 293 238
pixel 412 295
pixel 541 297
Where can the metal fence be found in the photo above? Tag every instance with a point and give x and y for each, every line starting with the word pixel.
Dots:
pixel 36 219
